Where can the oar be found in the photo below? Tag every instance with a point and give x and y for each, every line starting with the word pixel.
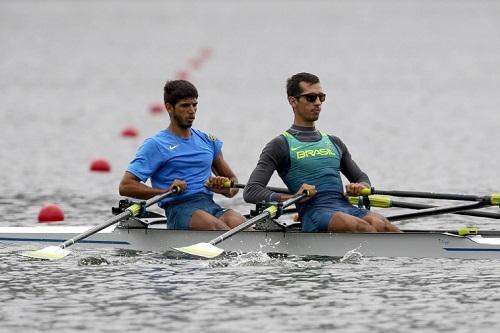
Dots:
pixel 438 211
pixel 494 199
pixel 386 202
pixel 209 250
pixel 274 189
pixel 284 212
pixel 59 251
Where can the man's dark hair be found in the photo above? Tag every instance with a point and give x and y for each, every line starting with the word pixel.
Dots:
pixel 176 90
pixel 292 84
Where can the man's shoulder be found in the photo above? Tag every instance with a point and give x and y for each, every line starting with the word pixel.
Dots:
pixel 333 137
pixel 278 140
pixel 160 137
pixel 161 134
pixel 277 145
pixel 341 146
pixel 204 135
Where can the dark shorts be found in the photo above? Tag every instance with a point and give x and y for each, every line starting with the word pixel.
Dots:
pixel 179 213
pixel 316 217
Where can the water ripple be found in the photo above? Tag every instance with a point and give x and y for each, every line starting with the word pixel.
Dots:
pixel 418 80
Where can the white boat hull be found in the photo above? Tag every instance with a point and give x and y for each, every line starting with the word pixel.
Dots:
pixel 415 244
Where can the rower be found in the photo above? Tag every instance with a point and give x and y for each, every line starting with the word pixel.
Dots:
pixel 309 160
pixel 185 157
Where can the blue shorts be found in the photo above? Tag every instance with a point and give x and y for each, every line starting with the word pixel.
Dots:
pixel 179 213
pixel 316 217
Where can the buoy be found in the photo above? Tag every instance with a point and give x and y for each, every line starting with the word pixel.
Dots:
pixel 156 108
pixel 130 132
pixel 195 63
pixel 50 213
pixel 206 52
pixel 100 165
pixel 182 75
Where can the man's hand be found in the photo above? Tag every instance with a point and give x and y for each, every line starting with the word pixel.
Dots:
pixel 354 189
pixel 311 191
pixel 180 183
pixel 217 185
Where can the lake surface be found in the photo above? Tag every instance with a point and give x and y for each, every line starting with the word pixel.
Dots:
pixel 412 89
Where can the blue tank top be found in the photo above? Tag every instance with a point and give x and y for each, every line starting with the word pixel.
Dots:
pixel 315 163
pixel 166 157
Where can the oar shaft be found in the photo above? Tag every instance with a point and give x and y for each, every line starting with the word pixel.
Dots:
pixel 431 195
pixel 242 226
pixel 97 228
pixel 130 211
pixel 411 205
pixel 437 211
pixel 386 202
pixel 268 212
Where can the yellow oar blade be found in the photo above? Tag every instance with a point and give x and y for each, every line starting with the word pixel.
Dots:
pixel 205 250
pixel 47 253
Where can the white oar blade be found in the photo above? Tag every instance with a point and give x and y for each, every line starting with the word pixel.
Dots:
pixel 47 253
pixel 205 250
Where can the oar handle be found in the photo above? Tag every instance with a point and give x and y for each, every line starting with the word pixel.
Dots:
pixel 270 211
pixel 231 183
pixel 132 210
pixel 375 201
pixel 152 201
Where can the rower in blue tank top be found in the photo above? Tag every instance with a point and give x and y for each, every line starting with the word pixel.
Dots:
pixel 307 159
pixel 185 157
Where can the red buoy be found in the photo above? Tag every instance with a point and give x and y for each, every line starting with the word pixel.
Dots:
pixel 50 213
pixel 100 165
pixel 130 132
pixel 182 75
pixel 206 53
pixel 195 63
pixel 156 108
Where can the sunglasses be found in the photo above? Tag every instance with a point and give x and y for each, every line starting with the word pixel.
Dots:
pixel 311 97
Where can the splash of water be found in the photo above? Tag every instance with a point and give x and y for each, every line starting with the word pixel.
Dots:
pixel 93 261
pixel 352 257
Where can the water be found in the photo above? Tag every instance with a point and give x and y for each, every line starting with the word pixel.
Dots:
pixel 253 292
pixel 411 88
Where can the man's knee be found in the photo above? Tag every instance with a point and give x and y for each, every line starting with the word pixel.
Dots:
pixel 201 220
pixel 342 222
pixel 380 223
pixel 232 218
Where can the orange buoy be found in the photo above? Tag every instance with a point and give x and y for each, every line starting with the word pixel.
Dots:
pixel 182 75
pixel 156 108
pixel 130 132
pixel 100 165
pixel 50 213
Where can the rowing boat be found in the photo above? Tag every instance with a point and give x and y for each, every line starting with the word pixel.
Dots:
pixel 150 234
